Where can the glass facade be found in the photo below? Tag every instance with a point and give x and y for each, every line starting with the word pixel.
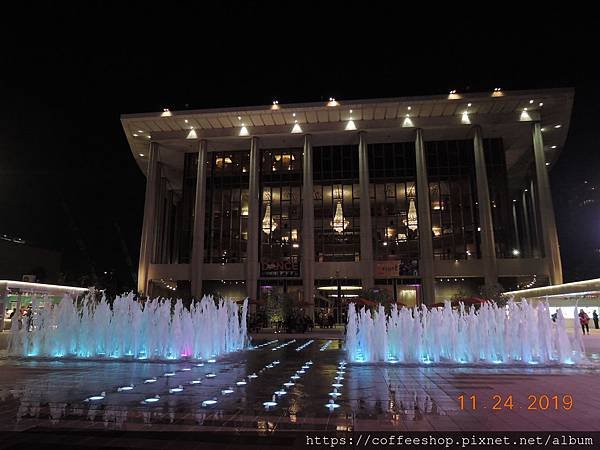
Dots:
pixel 500 200
pixel 392 190
pixel 396 225
pixel 336 203
pixel 526 218
pixel 332 299
pixel 186 207
pixel 281 212
pixel 453 198
pixel 226 220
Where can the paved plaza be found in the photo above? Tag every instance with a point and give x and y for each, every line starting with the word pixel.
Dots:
pixel 41 395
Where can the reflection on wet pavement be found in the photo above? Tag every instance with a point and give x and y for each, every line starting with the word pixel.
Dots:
pixel 302 381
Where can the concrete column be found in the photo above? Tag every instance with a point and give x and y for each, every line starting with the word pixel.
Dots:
pixel 526 225
pixel 536 239
pixel 308 229
pixel 488 246
pixel 160 221
pixel 176 228
pixel 424 221
pixel 254 220
pixel 517 242
pixel 549 234
pixel 366 229
pixel 149 223
pixel 199 217
pixel 168 240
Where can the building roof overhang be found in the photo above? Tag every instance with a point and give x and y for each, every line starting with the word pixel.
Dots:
pixel 499 113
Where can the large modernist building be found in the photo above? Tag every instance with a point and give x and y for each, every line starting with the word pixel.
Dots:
pixel 422 197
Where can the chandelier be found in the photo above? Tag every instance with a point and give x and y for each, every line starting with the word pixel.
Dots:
pixel 412 215
pixel 339 223
pixel 267 225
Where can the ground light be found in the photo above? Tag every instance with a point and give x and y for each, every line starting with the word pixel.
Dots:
pixel 210 402
pixel 331 405
pixel 270 404
pixel 125 388
pixel 176 390
pixel 151 399
pixel 335 393
pixel 150 380
pixel 94 398
pixel 196 382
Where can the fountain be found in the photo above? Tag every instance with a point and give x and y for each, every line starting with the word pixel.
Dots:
pixel 128 329
pixel 519 333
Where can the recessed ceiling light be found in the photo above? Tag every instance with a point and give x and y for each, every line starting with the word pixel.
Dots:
pixel 557 126
pixel 554 146
pixel 468 105
pixel 531 102
pixel 541 104
pixel 141 154
pixel 293 114
pixel 350 111
pixel 409 108
pixel 135 134
pixel 140 131
pixel 547 163
pixel 186 121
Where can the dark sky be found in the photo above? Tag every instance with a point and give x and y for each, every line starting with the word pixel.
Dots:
pixel 66 172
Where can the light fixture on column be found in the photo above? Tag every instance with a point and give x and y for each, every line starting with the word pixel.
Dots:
pixel 465 118
pixel 296 128
pixel 192 134
pixel 339 223
pixel 350 126
pixel 525 117
pixel 413 222
pixel 244 131
pixel 407 123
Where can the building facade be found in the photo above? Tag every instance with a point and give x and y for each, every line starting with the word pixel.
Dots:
pixel 421 198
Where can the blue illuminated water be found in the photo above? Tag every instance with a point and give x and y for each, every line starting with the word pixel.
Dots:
pixel 519 333
pixel 129 329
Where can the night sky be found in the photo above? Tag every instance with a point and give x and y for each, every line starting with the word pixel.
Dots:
pixel 68 180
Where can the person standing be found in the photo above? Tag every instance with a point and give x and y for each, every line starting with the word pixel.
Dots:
pixel 595 317
pixel 584 320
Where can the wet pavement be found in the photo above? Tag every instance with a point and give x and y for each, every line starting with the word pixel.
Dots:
pixel 38 394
